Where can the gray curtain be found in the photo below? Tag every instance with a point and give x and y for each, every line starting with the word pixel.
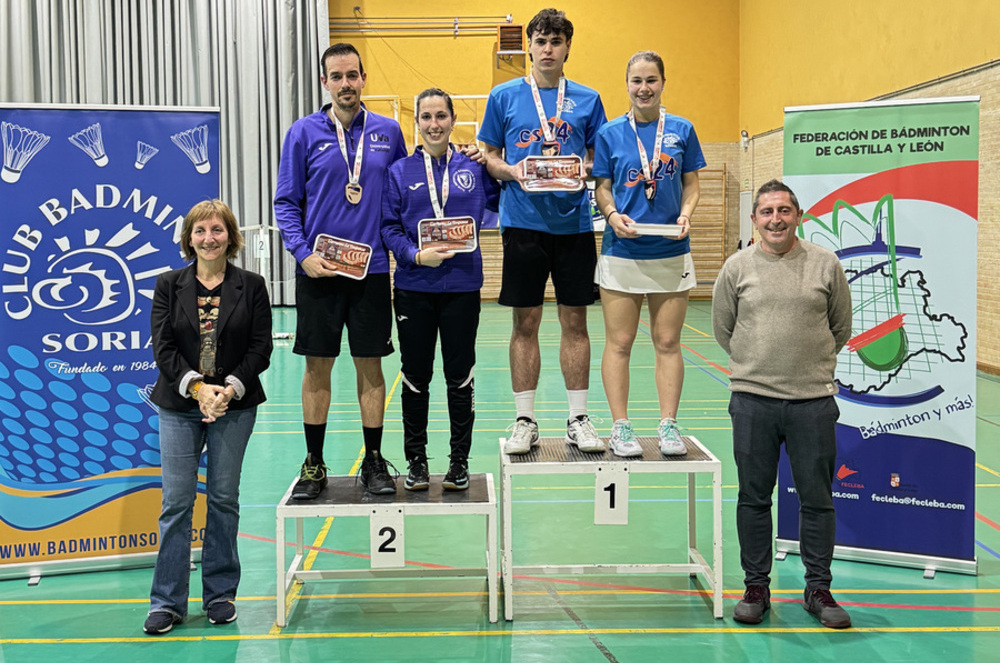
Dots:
pixel 254 59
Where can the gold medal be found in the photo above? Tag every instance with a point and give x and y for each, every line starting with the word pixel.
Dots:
pixel 353 193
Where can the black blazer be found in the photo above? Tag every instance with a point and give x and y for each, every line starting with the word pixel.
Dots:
pixel 243 347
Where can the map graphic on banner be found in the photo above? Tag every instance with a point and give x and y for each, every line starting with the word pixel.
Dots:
pixel 892 189
pixel 92 204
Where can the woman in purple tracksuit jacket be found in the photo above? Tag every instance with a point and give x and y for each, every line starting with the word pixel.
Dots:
pixel 436 290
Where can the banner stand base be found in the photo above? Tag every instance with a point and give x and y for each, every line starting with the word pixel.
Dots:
pixel 35 571
pixel 928 563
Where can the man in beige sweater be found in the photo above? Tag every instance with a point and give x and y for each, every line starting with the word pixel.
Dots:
pixel 782 311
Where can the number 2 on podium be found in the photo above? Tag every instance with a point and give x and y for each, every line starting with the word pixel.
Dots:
pixel 386 534
pixel 611 494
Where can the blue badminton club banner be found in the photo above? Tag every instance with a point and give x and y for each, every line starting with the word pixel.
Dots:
pixel 892 189
pixel 92 202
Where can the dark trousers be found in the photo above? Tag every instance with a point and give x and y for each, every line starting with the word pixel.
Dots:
pixel 420 317
pixel 808 430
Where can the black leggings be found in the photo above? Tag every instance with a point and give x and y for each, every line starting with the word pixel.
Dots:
pixel 420 317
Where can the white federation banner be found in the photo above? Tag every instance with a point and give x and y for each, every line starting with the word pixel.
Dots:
pixel 892 188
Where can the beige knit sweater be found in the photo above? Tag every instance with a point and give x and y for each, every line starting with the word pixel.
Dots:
pixel 782 319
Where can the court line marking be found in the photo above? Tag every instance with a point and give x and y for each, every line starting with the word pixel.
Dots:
pixel 751 630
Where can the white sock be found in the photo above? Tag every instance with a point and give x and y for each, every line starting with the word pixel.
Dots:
pixel 524 403
pixel 577 402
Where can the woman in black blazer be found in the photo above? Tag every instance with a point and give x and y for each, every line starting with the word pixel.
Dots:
pixel 211 329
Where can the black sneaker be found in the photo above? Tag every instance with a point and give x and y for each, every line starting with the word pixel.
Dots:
pixel 830 614
pixel 457 477
pixel 312 480
pixel 375 475
pixel 222 612
pixel 160 622
pixel 418 478
pixel 756 601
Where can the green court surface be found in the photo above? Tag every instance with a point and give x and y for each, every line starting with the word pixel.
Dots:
pixel 898 614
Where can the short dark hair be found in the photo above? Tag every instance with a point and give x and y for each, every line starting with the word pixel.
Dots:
pixel 550 21
pixel 648 56
pixel 435 92
pixel 208 209
pixel 340 48
pixel 773 186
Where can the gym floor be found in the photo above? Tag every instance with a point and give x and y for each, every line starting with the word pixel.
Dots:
pixel 898 614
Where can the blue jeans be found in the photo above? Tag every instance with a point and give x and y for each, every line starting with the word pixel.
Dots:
pixel 183 436
pixel 807 428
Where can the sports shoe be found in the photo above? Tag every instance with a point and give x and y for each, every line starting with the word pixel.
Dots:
pixel 580 432
pixel 831 615
pixel 222 612
pixel 417 478
pixel 522 438
pixel 457 477
pixel 375 475
pixel 756 601
pixel 160 622
pixel 671 443
pixel 312 480
pixel 622 442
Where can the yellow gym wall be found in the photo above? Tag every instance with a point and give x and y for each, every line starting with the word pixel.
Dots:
pixel 699 42
pixel 804 52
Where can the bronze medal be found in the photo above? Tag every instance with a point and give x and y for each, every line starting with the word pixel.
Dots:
pixel 353 193
pixel 551 148
pixel 650 188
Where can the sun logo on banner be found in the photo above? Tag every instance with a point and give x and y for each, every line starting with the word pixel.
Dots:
pixel 95 280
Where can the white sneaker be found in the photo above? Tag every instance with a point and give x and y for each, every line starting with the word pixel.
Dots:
pixel 622 442
pixel 580 432
pixel 671 443
pixel 523 436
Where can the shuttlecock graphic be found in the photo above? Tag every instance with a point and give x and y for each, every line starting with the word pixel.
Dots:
pixel 19 145
pixel 194 142
pixel 89 140
pixel 144 152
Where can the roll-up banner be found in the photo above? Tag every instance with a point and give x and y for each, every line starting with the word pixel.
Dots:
pixel 892 188
pixel 92 200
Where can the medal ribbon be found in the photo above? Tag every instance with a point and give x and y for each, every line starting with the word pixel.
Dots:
pixel 536 95
pixel 432 188
pixel 649 167
pixel 352 175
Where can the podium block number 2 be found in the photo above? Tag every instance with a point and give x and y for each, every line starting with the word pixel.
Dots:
pixel 387 540
pixel 611 494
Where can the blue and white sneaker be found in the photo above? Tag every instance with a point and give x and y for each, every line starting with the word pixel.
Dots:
pixel 671 443
pixel 622 442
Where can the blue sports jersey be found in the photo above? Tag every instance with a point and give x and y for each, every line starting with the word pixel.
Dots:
pixel 616 157
pixel 511 123
pixel 406 201
pixel 309 198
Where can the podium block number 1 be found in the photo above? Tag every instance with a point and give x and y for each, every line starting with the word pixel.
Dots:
pixel 611 494
pixel 387 540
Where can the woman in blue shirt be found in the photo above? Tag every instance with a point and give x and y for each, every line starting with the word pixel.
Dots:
pixel 646 165
pixel 436 290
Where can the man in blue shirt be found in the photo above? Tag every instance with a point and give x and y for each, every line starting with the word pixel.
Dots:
pixel 330 178
pixel 545 233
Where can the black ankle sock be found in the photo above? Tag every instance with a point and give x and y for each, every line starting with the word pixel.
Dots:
pixel 373 439
pixel 315 434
